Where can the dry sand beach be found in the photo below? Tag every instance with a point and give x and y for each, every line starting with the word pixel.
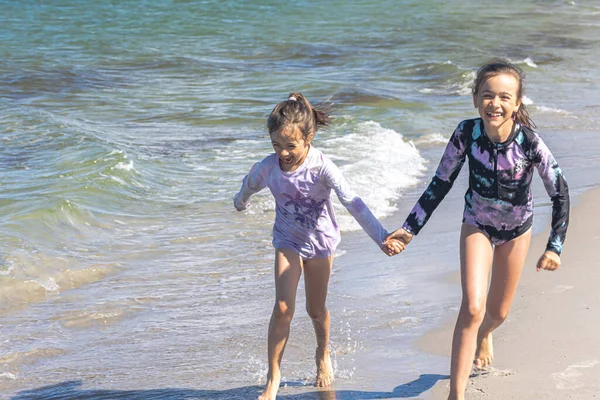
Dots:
pixel 549 347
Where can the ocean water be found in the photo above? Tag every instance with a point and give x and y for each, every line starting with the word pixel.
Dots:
pixel 127 127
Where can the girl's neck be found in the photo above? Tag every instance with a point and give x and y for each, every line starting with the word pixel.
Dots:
pixel 502 133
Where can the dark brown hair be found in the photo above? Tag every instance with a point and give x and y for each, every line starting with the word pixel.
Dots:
pixel 297 111
pixel 501 67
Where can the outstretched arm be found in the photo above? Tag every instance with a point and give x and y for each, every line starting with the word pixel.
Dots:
pixel 445 175
pixel 253 182
pixel 354 204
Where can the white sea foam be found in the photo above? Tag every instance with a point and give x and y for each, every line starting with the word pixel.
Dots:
pixel 125 166
pixel 119 180
pixel 530 62
pixel 50 285
pixel 464 87
pixel 552 110
pixel 8 375
pixel 378 163
pixel 530 103
pixel 432 139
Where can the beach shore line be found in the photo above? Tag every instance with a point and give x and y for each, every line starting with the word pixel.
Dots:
pixel 548 348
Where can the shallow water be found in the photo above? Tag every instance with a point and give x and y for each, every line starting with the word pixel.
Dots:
pixel 127 127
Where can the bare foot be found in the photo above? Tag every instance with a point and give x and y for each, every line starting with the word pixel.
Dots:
pixel 271 389
pixel 324 369
pixel 485 352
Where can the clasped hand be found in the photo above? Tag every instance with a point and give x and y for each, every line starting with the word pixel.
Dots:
pixel 396 242
pixel 549 261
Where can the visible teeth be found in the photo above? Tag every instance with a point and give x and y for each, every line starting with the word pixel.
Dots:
pixel 494 114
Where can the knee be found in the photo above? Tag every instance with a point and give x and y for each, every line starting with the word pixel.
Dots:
pixel 472 313
pixel 316 313
pixel 283 310
pixel 497 314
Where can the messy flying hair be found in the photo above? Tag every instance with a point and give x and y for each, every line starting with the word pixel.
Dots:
pixel 502 67
pixel 296 111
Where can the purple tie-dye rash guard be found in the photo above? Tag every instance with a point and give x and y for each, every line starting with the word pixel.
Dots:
pixel 499 199
pixel 304 216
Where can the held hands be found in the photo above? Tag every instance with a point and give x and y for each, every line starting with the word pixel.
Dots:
pixel 549 261
pixel 391 247
pixel 396 242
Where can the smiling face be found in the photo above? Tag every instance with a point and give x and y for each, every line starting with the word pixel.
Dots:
pixel 496 100
pixel 291 147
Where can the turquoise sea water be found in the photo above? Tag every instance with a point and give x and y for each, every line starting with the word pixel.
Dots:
pixel 126 128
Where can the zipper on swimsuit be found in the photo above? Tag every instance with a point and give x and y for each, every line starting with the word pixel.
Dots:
pixel 496 170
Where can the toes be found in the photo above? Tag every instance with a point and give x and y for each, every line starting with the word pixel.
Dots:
pixel 323 382
pixel 481 363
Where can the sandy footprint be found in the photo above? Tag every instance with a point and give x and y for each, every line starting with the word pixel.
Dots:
pixel 501 372
pixel 569 378
pixel 562 288
pixel 491 371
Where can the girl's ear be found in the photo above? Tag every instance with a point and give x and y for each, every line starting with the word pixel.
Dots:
pixel 475 100
pixel 309 138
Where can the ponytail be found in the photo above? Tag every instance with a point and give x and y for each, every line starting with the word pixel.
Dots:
pixel 297 111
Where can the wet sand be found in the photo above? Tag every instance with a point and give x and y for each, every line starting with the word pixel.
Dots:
pixel 549 346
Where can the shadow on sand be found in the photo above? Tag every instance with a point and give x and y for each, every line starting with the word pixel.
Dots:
pixel 70 390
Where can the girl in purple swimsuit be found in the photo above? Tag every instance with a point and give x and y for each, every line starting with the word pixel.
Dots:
pixel 503 150
pixel 305 233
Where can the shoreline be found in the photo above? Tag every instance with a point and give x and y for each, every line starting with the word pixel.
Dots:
pixel 548 346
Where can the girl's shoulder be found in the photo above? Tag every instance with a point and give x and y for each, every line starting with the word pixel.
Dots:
pixel 316 155
pixel 466 131
pixel 316 159
pixel 317 163
pixel 270 160
pixel 471 127
pixel 470 122
pixel 265 166
pixel 527 137
pixel 530 142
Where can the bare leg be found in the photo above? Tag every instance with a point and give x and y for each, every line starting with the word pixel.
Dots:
pixel 475 263
pixel 288 267
pixel 316 278
pixel 509 258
